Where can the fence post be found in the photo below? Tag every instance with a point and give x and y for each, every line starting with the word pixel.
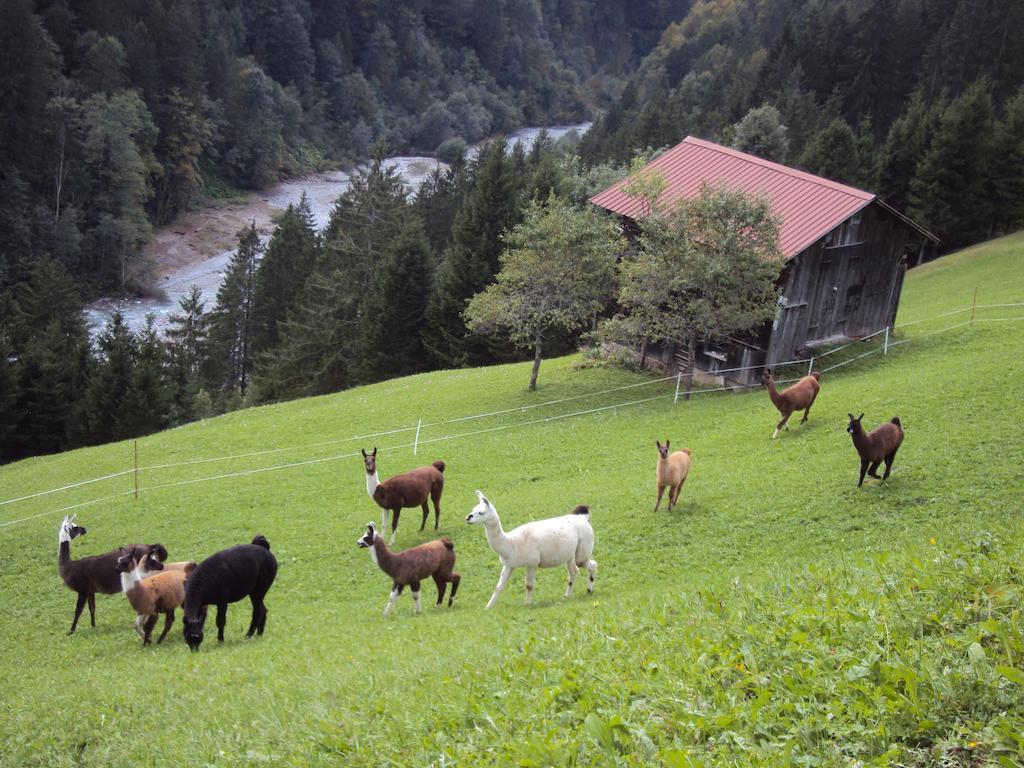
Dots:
pixel 974 304
pixel 416 442
pixel 810 366
pixel 679 378
pixel 885 344
pixel 136 469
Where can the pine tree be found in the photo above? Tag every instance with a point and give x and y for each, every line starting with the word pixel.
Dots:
pixel 1009 172
pixel 950 191
pixel 148 401
pixel 292 253
pixel 491 207
pixel 905 145
pixel 230 358
pixel 833 153
pixel 762 133
pixel 100 417
pixel 186 348
pixel 391 341
pixel 44 322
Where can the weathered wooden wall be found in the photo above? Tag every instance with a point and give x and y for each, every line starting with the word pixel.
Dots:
pixel 846 285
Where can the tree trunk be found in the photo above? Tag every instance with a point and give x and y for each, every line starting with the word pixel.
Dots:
pixel 536 360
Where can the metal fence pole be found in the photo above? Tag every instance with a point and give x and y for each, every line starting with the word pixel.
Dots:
pixel 974 304
pixel 416 442
pixel 136 469
pixel 679 378
pixel 885 344
pixel 810 365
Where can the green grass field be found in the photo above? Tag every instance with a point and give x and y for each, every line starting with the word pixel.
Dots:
pixel 780 615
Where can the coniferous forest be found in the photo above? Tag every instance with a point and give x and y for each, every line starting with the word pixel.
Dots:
pixel 119 115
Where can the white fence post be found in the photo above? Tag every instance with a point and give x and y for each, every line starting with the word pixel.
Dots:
pixel 679 378
pixel 810 366
pixel 416 442
pixel 885 344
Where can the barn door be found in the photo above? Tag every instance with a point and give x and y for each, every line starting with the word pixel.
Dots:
pixel 827 298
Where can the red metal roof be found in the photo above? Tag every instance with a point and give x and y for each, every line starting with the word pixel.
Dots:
pixel 808 206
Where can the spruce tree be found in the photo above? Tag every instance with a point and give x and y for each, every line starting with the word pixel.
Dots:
pixel 391 330
pixel 1008 183
pixel 491 207
pixel 148 402
pixel 186 348
pixel 101 415
pixel 230 359
pixel 291 254
pixel 951 189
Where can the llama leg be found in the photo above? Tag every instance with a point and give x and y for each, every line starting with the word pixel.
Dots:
pixel 573 570
pixel 79 605
pixel 415 587
pixel 442 586
pixel 255 620
pixel 863 469
pixel 222 618
pixel 888 463
pixel 168 621
pixel 807 410
pixel 437 510
pixel 263 619
pixel 92 608
pixel 148 627
pixel 383 520
pixel 140 622
pixel 531 579
pixel 781 425
pixel 394 523
pixel 455 588
pixel 426 512
pixel 592 570
pixel 873 470
pixel 661 491
pixel 506 572
pixel 395 592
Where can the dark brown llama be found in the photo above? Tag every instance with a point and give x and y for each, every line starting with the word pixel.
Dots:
pixel 435 560
pixel 799 397
pixel 878 446
pixel 89 575
pixel 410 489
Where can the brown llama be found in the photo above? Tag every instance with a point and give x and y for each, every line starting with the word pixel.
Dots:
pixel 152 589
pixel 88 575
pixel 434 560
pixel 672 473
pixel 799 397
pixel 878 446
pixel 410 489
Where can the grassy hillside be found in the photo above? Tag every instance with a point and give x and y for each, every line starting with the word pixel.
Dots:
pixel 779 615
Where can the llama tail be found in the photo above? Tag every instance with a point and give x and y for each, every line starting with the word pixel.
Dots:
pixel 686 451
pixel 448 543
pixel 261 541
pixel 582 509
pixel 896 421
pixel 439 465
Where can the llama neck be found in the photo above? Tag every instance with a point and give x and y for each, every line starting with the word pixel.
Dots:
pixel 860 437
pixel 372 481
pixel 129 580
pixel 497 537
pixel 381 554
pixel 63 549
pixel 773 393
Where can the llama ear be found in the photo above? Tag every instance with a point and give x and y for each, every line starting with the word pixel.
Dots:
pixel 375 450
pixel 658 443
pixel 851 416
pixel 362 451
pixel 666 443
pixel 860 417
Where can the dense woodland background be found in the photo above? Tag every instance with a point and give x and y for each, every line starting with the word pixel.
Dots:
pixel 116 116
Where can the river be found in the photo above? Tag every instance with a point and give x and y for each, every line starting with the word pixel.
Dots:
pixel 196 249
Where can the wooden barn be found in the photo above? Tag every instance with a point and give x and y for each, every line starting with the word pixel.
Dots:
pixel 845 252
